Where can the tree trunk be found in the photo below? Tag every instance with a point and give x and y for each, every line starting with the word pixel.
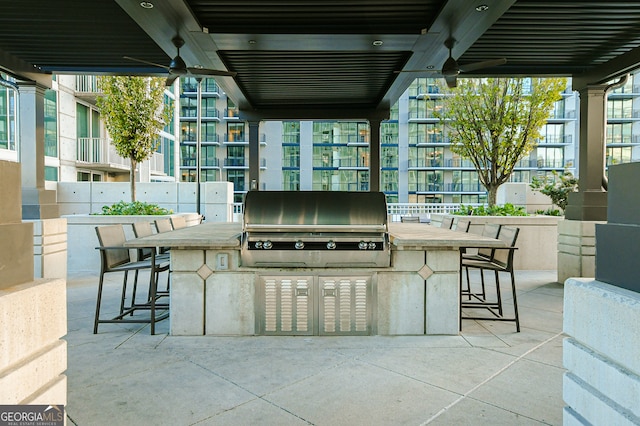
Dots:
pixel 492 192
pixel 132 179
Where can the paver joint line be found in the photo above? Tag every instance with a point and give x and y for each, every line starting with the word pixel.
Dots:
pixel 497 373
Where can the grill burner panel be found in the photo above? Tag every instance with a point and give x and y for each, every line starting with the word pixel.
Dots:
pixel 315 229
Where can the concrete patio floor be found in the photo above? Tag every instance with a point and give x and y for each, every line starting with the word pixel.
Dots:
pixel 488 375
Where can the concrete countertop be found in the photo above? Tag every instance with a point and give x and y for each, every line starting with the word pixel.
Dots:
pixel 421 236
pixel 227 235
pixel 213 235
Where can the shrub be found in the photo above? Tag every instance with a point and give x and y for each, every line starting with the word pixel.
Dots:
pixel 507 210
pixel 556 187
pixel 549 212
pixel 136 208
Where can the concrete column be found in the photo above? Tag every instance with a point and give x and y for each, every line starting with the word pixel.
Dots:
pixel 36 202
pixel 590 202
pixel 254 156
pixel 374 161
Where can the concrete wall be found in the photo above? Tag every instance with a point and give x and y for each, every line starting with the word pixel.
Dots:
pixel 216 198
pixel 537 241
pixel 521 194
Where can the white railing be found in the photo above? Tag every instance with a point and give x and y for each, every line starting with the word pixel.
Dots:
pixel 395 211
pixel 90 150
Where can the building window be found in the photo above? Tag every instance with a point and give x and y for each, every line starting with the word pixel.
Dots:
pixel 618 155
pixel 235 156
pixel 209 108
pixel 619 133
pixel 88 176
pixel 236 177
pixel 553 134
pixel 291 132
pixel 421 133
pixel 235 132
pixel 426 156
pixel 188 107
pixel 291 180
pixel 51 173
pixel 51 125
pixel 291 157
pixel 7 118
pixel 620 108
pixel 550 158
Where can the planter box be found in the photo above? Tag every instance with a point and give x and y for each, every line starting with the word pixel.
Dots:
pixel 82 240
pixel 537 241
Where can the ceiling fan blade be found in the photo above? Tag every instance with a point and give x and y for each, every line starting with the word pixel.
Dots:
pixel 206 71
pixel 452 81
pixel 425 70
pixel 146 62
pixel 483 64
pixel 171 79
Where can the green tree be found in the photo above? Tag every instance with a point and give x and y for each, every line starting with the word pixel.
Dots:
pixel 557 187
pixel 134 113
pixel 495 122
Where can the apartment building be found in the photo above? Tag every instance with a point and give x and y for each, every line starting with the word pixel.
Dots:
pixel 77 147
pixel 417 165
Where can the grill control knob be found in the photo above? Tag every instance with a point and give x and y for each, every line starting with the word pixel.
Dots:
pixel 258 244
pixel 267 245
pixel 372 245
pixel 299 245
pixel 331 245
pixel 362 245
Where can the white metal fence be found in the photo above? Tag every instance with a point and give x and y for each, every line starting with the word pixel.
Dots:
pixel 395 211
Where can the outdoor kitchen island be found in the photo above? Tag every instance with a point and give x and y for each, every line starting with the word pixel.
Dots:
pixel 212 293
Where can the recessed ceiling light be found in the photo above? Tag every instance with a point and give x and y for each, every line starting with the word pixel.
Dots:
pixel 377 42
pixel 430 67
pixel 252 42
pixel 146 4
pixel 482 7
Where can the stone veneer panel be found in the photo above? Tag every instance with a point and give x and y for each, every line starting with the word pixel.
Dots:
pixel 187 304
pixel 16 254
pixel 33 319
pixel 576 249
pixel 400 303
pixel 230 304
pixel 442 304
pixel 602 383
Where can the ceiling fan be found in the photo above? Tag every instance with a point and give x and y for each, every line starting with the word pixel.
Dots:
pixel 177 67
pixel 451 69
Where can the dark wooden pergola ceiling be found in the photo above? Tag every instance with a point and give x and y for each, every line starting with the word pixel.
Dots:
pixel 329 59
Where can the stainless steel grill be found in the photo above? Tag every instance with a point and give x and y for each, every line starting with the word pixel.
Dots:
pixel 315 229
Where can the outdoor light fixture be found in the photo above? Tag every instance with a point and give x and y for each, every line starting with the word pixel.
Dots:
pixel 146 4
pixel 482 7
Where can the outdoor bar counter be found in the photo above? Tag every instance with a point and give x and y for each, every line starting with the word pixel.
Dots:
pixel 213 294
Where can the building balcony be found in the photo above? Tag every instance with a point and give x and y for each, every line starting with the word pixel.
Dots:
pixel 99 154
pixel 556 140
pixel 242 139
pixel 422 115
pixel 208 89
pixel 190 139
pixel 87 88
pixel 191 114
pixel 449 163
pixel 242 163
pixel 208 163
pixel 469 188
pixel 432 140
